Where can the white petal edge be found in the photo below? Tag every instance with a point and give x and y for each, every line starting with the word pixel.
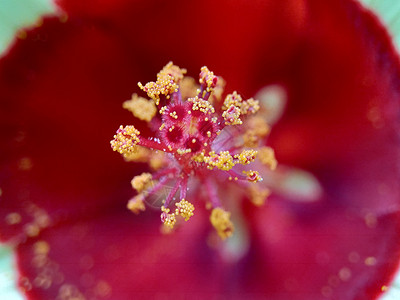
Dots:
pixel 17 14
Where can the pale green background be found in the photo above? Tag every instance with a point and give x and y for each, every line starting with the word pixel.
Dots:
pixel 15 14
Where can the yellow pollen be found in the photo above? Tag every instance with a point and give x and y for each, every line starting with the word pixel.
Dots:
pixel 167 83
pixel 136 204
pixel 157 160
pixel 162 110
pixel 202 105
pixel 184 209
pixel 142 182
pixel 167 218
pixel 223 161
pixel 188 87
pixel 216 96
pixel 232 99
pixel 193 141
pixel 174 115
pixel 141 108
pixel 249 106
pixel 246 156
pixel 183 151
pixel 250 139
pixel 231 116
pixel 258 124
pixel 220 219
pixel 267 157
pixel 207 77
pixel 253 176
pixel 258 194
pixel 125 140
pixel 141 155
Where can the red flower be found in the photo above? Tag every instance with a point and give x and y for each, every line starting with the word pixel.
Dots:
pixel 64 193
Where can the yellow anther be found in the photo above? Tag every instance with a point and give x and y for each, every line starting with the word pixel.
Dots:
pixel 253 176
pixel 174 71
pixel 183 151
pixel 173 115
pixel 141 108
pixel 216 96
pixel 184 209
pixel 246 156
pixel 136 204
pixel 202 105
pixel 141 155
pixel 258 125
pixel 220 219
pixel 167 218
pixel 157 160
pixel 142 182
pixel 267 157
pixel 249 106
pixel 245 107
pixel 188 87
pixel 223 161
pixel 163 109
pixel 167 83
pixel 125 140
pixel 250 139
pixel 200 157
pixel 258 194
pixel 232 99
pixel 231 116
pixel 208 78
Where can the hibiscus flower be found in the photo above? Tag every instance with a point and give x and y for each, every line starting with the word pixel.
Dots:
pixel 64 192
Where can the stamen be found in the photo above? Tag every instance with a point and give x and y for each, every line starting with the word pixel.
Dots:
pixel 187 142
pixel 258 194
pixel 125 140
pixel 184 209
pixel 142 182
pixel 141 108
pixel 167 83
pixel 231 116
pixel 136 204
pixel 253 176
pixel 267 157
pixel 246 156
pixel 168 219
pixel 220 219
pixel 208 82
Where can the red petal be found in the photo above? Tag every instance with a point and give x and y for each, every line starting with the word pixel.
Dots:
pixel 62 94
pixel 320 253
pixel 120 257
pixel 337 64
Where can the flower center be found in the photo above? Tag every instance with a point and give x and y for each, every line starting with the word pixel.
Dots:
pixel 187 145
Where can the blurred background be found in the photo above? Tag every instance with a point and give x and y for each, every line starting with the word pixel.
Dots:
pixel 16 14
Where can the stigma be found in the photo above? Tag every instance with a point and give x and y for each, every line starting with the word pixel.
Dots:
pixel 201 141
